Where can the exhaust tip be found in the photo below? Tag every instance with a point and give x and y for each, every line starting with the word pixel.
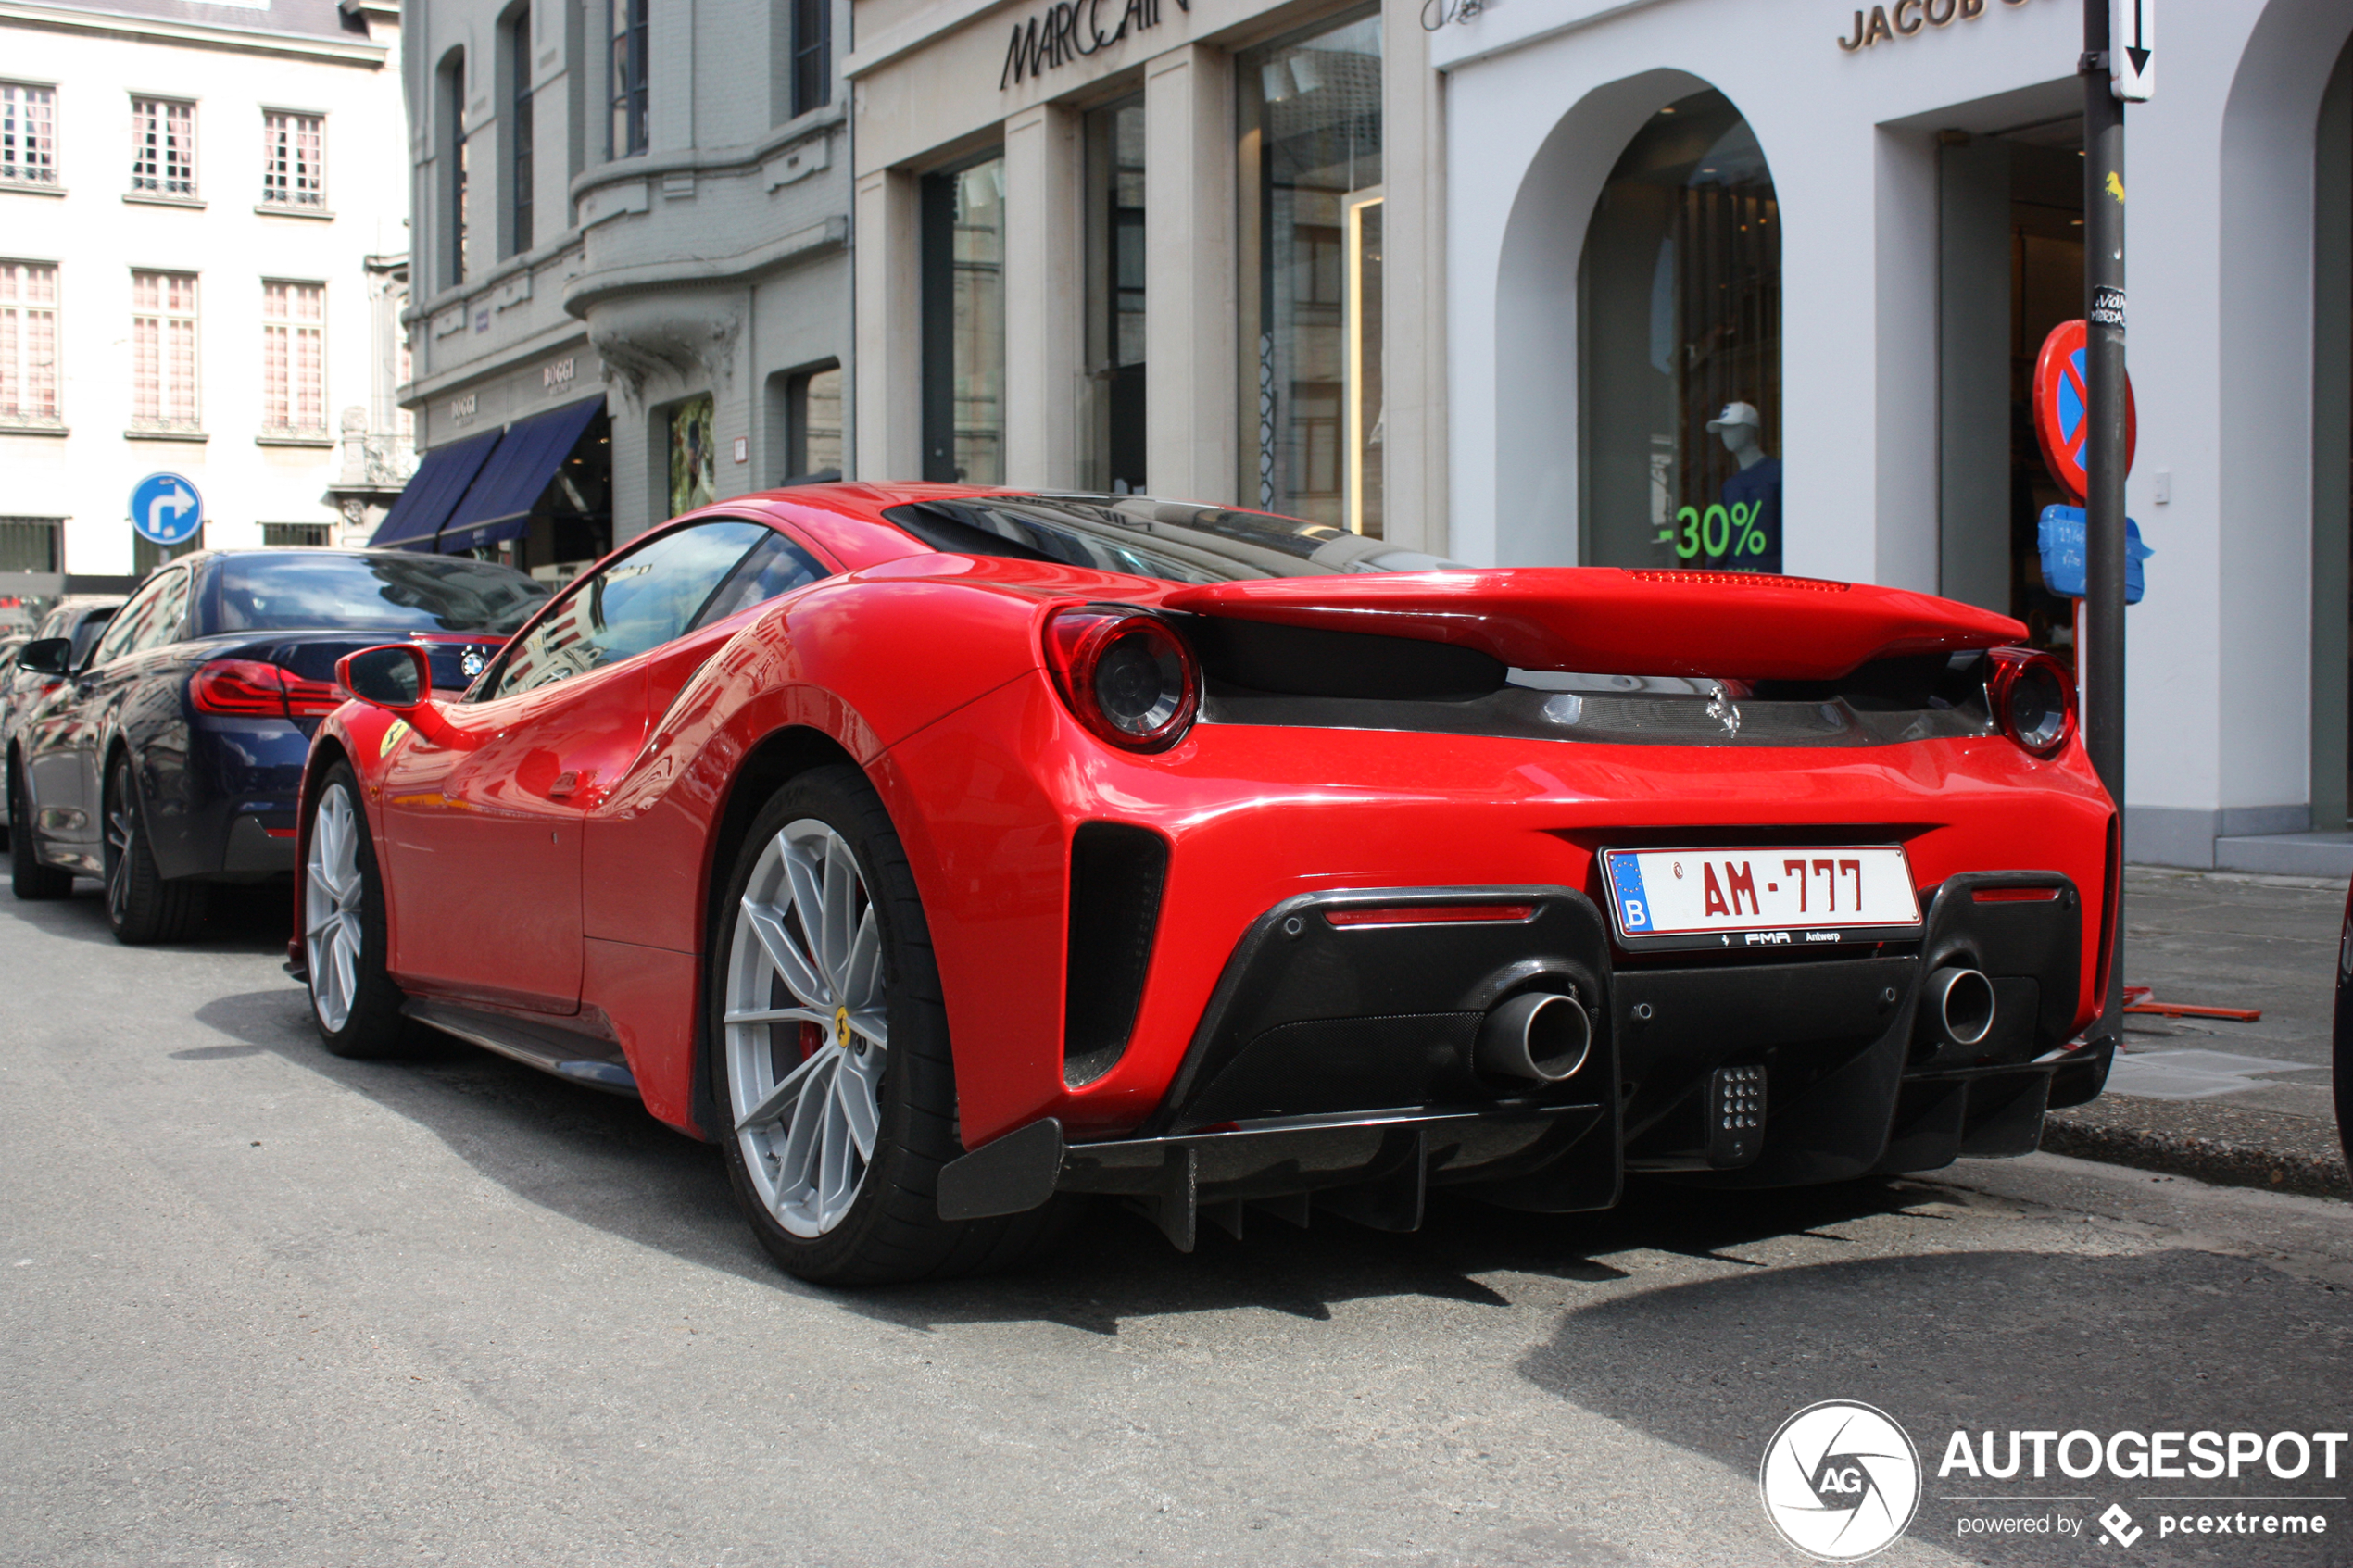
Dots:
pixel 1537 1037
pixel 1964 1002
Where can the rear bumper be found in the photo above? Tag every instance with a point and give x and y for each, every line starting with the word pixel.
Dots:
pixel 1335 1068
pixel 228 810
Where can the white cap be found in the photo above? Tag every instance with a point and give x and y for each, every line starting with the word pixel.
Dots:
pixel 1736 414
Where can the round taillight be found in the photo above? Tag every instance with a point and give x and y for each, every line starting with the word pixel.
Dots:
pixel 1125 676
pixel 2033 700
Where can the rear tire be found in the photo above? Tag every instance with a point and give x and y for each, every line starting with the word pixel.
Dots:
pixel 143 906
pixel 353 1000
pixel 821 937
pixel 28 878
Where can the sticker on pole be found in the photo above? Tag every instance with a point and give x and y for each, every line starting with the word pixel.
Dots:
pixel 2063 409
pixel 2061 535
pixel 166 510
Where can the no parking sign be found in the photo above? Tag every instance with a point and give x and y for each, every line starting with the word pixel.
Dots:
pixel 2061 409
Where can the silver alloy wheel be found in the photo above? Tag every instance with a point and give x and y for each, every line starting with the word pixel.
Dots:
pixel 121 824
pixel 806 950
pixel 331 928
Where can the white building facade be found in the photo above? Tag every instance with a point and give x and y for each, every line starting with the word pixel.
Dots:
pixel 202 238
pixel 1860 223
pixel 633 281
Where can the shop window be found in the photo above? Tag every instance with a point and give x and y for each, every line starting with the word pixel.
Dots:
pixel 692 446
pixel 804 424
pixel 963 314
pixel 1310 141
pixel 1113 414
pixel 1680 351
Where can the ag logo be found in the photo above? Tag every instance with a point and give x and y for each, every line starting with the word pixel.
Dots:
pixel 472 663
pixel 1840 1480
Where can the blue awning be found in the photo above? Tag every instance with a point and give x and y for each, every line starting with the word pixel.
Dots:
pixel 499 503
pixel 432 493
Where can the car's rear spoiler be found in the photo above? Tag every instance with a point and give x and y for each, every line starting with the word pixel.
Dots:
pixel 1612 621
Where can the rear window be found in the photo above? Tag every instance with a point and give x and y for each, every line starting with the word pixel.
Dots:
pixel 305 590
pixel 1174 541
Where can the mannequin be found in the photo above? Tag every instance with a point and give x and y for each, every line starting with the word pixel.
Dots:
pixel 1753 492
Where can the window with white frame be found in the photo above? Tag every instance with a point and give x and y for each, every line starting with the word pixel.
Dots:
pixel 163 350
pixel 294 159
pixel 27 342
pixel 28 134
pixel 163 147
pixel 294 358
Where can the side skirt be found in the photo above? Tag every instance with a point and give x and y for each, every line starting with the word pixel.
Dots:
pixel 583 1059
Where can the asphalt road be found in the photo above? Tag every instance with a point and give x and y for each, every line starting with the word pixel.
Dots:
pixel 258 1306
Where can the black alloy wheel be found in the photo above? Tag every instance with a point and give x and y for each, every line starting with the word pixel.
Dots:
pixel 28 878
pixel 828 1036
pixel 143 906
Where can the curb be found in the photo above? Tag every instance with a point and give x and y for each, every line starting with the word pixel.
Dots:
pixel 2206 1160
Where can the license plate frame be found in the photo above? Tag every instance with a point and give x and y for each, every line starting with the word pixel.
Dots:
pixel 1643 923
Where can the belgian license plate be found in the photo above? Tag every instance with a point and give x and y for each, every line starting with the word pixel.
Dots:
pixel 1790 896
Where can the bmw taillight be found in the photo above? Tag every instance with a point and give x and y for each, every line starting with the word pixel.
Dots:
pixel 247 688
pixel 2033 699
pixel 1125 673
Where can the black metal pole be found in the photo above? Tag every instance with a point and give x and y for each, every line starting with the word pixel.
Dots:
pixel 2103 660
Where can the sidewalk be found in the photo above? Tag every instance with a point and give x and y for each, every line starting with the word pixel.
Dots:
pixel 2243 1103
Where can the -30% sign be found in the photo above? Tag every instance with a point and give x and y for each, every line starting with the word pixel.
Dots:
pixel 1718 531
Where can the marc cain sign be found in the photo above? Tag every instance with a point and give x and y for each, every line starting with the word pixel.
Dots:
pixel 1907 18
pixel 1071 30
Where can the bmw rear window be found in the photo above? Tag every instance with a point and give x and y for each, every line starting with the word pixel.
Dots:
pixel 323 590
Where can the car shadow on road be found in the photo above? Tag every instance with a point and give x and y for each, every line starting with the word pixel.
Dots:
pixel 594 1158
pixel 2140 1340
pixel 239 918
pixel 601 1160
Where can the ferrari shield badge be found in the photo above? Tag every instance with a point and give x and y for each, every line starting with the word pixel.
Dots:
pixel 393 736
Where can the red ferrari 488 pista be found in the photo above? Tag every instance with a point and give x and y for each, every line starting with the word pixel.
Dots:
pixel 941 854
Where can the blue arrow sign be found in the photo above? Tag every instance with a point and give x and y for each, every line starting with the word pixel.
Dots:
pixel 166 509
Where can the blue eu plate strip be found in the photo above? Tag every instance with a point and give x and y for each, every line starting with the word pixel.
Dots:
pixel 1633 904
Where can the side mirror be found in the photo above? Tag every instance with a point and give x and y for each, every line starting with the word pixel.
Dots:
pixel 47 655
pixel 395 676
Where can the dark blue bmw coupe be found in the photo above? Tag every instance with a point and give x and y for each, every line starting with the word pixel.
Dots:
pixel 169 755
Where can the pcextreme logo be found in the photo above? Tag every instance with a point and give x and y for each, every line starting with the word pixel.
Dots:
pixel 1840 1480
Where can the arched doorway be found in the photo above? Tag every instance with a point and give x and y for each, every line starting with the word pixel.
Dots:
pixel 1678 349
